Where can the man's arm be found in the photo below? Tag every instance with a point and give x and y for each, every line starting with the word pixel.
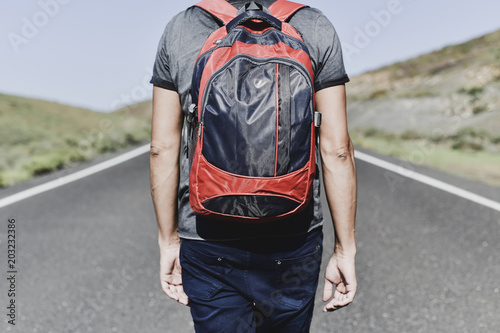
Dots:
pixel 164 177
pixel 339 175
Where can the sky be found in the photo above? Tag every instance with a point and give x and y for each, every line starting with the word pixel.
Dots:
pixel 99 54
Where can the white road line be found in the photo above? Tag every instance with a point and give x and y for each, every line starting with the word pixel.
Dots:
pixel 74 176
pixel 400 170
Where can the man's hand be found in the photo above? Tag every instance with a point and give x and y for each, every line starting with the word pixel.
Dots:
pixel 340 271
pixel 170 273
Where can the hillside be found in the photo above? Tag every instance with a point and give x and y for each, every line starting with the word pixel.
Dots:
pixel 447 101
pixel 37 137
pixel 142 109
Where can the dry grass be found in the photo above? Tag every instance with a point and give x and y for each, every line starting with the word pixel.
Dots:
pixel 38 137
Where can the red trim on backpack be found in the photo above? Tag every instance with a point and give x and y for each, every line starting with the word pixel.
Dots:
pixel 207 182
pixel 277 119
pixel 283 9
pixel 290 31
pixel 221 9
pixel 211 42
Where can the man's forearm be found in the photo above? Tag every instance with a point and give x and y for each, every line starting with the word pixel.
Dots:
pixel 164 162
pixel 164 178
pixel 339 175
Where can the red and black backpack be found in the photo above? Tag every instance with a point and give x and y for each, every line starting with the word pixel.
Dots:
pixel 253 117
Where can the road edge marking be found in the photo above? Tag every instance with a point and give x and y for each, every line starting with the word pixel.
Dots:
pixel 74 176
pixel 400 170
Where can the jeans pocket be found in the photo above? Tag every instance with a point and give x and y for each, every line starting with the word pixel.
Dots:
pixel 201 274
pixel 297 278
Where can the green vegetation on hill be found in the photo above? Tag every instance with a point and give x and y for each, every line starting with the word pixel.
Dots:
pixel 468 153
pixel 448 100
pixel 471 68
pixel 37 137
pixel 484 51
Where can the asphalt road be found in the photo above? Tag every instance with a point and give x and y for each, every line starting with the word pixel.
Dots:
pixel 87 259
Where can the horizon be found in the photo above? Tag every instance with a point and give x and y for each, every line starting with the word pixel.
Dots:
pixel 55 55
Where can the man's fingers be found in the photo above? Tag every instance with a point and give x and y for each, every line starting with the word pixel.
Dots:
pixel 171 278
pixel 170 291
pixel 336 304
pixel 175 292
pixel 329 308
pixel 164 287
pixel 341 298
pixel 341 288
pixel 327 290
pixel 332 306
pixel 183 298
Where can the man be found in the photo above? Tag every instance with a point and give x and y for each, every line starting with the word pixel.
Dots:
pixel 240 277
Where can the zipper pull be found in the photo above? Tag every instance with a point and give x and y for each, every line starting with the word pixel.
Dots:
pixel 317 119
pixel 199 130
pixel 192 113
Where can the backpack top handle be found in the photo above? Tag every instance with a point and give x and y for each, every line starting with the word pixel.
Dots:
pixel 253 15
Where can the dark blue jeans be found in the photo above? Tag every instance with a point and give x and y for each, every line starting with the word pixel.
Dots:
pixel 263 285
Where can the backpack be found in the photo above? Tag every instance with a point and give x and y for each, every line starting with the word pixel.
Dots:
pixel 252 122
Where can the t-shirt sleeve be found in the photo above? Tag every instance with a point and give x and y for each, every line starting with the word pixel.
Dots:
pixel 161 70
pixel 327 55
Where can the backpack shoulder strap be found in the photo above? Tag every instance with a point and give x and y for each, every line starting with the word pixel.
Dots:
pixel 221 9
pixel 283 9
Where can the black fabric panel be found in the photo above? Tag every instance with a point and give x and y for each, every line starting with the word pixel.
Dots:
pixel 301 120
pixel 284 120
pixel 219 229
pixel 156 81
pixel 343 80
pixel 251 206
pixel 240 119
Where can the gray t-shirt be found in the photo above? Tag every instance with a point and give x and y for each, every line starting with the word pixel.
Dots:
pixel 177 52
